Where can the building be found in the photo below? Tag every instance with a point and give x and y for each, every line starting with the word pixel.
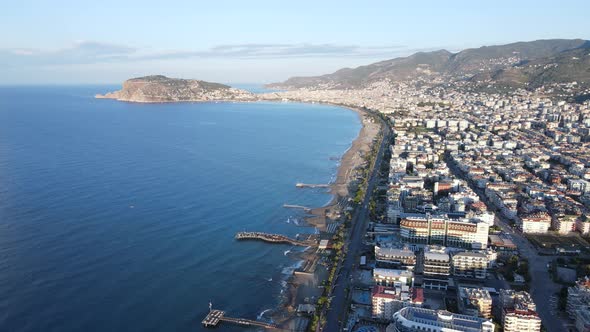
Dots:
pixel 470 265
pixel 436 270
pixel 412 319
pixel 475 302
pixel 583 226
pixel 387 300
pixel 440 230
pixel 393 278
pixel 578 304
pixel 503 245
pixel 519 312
pixel 536 223
pixel 394 256
pixel 565 224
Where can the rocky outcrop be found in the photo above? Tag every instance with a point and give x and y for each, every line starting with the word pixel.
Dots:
pixel 159 89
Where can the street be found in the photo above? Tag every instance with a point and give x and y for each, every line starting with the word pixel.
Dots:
pixel 337 313
pixel 542 288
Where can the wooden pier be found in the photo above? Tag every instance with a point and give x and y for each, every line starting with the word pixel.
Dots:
pixel 215 317
pixel 274 238
pixel 311 185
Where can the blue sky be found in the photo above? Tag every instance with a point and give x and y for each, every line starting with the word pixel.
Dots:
pixel 254 41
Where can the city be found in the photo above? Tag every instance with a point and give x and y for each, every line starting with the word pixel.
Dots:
pixel 482 211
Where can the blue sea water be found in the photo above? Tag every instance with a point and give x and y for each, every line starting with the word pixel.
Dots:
pixel 120 217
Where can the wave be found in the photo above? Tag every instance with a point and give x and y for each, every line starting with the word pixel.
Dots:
pixel 261 315
pixel 288 270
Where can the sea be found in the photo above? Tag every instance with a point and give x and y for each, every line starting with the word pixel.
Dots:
pixel 119 216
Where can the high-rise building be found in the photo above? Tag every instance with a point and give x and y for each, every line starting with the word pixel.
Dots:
pixel 436 270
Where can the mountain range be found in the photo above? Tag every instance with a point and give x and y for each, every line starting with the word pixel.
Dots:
pixel 521 64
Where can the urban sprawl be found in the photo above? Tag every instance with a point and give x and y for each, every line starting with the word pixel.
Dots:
pixel 480 221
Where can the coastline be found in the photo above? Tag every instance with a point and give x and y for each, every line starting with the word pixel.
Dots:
pixel 299 288
pixel 350 160
pixel 302 288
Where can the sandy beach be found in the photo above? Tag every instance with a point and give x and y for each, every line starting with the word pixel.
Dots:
pixel 351 159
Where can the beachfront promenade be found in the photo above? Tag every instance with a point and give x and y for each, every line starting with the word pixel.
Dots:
pixel 275 238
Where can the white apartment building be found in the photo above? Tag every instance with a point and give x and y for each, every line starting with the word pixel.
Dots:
pixel 470 265
pixel 401 257
pixel 519 312
pixel 536 223
pixel 583 226
pixel 392 277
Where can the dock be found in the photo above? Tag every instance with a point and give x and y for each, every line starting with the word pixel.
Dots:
pixel 274 238
pixel 311 185
pixel 215 317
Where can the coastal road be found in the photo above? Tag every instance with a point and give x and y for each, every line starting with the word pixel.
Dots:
pixel 336 315
pixel 542 287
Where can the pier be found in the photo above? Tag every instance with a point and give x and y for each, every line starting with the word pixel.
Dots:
pixel 215 317
pixel 274 238
pixel 292 206
pixel 311 185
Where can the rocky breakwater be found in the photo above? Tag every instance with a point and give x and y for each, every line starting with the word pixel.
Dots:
pixel 160 89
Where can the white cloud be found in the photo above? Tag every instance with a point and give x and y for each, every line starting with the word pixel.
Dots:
pixel 92 52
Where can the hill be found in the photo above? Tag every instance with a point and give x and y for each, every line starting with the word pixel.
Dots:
pixel 158 88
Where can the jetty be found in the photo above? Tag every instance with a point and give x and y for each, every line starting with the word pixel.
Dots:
pixel 275 238
pixel 292 206
pixel 215 317
pixel 311 185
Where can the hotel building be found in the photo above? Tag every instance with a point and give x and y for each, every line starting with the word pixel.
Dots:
pixel 440 230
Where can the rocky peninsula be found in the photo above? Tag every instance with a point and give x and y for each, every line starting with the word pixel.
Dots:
pixel 160 89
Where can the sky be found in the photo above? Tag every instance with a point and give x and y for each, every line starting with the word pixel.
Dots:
pixel 107 41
